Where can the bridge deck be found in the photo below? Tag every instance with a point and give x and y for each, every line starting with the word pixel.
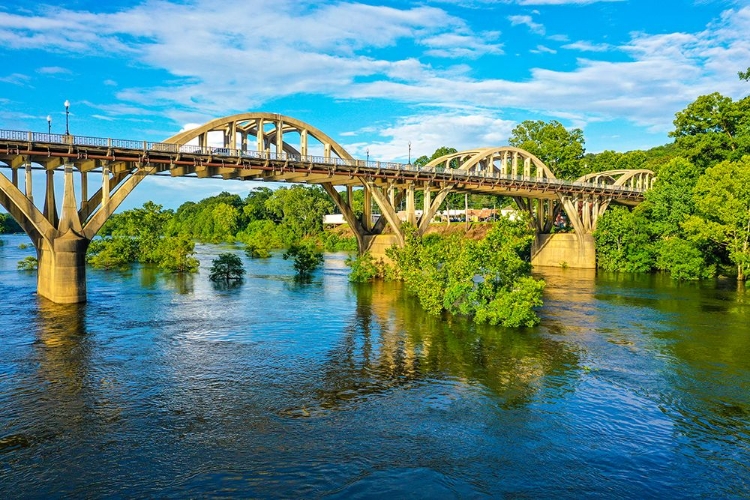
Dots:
pixel 88 154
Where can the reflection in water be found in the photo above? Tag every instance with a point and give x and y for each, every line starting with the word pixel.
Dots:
pixel 632 387
pixel 393 342
pixel 63 345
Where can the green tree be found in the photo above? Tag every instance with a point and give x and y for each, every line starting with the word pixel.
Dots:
pixel 112 252
pixel 255 204
pixel 560 149
pixel 623 241
pixel 176 254
pixel 227 267
pixel 255 250
pixel 722 197
pixel 713 128
pixel 299 210
pixel 488 280
pixel 9 225
pixel 307 258
pixel 29 263
pixel 744 75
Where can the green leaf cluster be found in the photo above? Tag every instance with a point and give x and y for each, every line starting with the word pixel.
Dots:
pixel 695 222
pixel 307 258
pixel 8 225
pixel 28 263
pixel 364 268
pixel 560 149
pixel 227 267
pixel 488 280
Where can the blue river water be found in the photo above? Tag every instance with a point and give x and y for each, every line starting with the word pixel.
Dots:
pixel 167 386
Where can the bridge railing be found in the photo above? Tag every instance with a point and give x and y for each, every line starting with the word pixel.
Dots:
pixel 163 147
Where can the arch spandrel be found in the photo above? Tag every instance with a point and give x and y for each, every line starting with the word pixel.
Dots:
pixel 473 158
pixel 620 177
pixel 248 123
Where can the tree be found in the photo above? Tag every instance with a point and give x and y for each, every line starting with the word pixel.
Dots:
pixel 255 204
pixel 488 280
pixel 9 225
pixel 744 75
pixel 176 254
pixel 299 210
pixel 307 258
pixel 722 197
pixel 227 267
pixel 29 263
pixel 623 241
pixel 560 149
pixel 713 128
pixel 112 252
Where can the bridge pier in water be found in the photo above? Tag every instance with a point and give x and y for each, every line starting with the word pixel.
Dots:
pixel 564 250
pixel 62 238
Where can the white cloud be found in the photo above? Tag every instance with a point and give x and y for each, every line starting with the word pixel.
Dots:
pixel 341 51
pixel 527 21
pixel 427 132
pixel 16 79
pixel 541 49
pixel 585 46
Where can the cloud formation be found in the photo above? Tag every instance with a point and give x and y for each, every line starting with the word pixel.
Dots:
pixel 416 56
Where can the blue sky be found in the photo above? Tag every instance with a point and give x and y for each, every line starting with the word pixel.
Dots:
pixel 373 75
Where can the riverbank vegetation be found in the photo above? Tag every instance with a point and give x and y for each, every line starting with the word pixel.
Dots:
pixel 265 220
pixel 695 222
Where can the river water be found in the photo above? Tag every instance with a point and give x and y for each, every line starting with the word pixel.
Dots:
pixel 165 386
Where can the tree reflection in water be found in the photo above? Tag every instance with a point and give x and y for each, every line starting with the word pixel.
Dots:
pixel 392 342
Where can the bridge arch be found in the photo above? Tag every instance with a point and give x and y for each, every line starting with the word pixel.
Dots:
pixel 503 160
pixel 267 129
pixel 639 179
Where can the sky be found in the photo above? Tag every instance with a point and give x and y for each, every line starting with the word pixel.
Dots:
pixel 375 76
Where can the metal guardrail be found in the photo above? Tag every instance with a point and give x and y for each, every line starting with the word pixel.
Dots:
pixel 163 147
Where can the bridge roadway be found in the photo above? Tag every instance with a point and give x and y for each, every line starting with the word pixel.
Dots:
pixel 18 147
pixel 61 239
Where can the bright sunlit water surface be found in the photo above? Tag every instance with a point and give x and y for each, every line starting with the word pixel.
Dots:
pixel 162 385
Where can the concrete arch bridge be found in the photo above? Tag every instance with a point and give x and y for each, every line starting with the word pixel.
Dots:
pixel 272 147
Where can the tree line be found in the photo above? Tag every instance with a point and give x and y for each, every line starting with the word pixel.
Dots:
pixel 695 222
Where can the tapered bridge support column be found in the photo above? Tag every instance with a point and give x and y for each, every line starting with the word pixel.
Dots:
pixel 61 276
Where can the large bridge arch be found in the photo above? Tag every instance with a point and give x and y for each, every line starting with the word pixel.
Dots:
pixel 237 129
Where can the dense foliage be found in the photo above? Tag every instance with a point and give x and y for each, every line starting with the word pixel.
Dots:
pixel 140 235
pixel 9 225
pixel 488 279
pixel 264 220
pixel 695 222
pixel 560 149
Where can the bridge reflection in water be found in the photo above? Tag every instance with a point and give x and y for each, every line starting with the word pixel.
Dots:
pixel 61 237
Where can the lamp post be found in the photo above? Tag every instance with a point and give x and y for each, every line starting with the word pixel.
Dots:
pixel 49 125
pixel 409 152
pixel 368 154
pixel 67 112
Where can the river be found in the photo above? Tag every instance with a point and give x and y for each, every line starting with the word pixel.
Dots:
pixel 165 386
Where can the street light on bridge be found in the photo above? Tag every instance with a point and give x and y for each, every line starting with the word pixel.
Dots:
pixel 49 125
pixel 368 154
pixel 67 112
pixel 409 152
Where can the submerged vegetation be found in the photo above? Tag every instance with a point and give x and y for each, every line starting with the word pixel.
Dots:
pixel 488 279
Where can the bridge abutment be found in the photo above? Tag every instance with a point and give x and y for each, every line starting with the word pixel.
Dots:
pixel 61 275
pixel 564 250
